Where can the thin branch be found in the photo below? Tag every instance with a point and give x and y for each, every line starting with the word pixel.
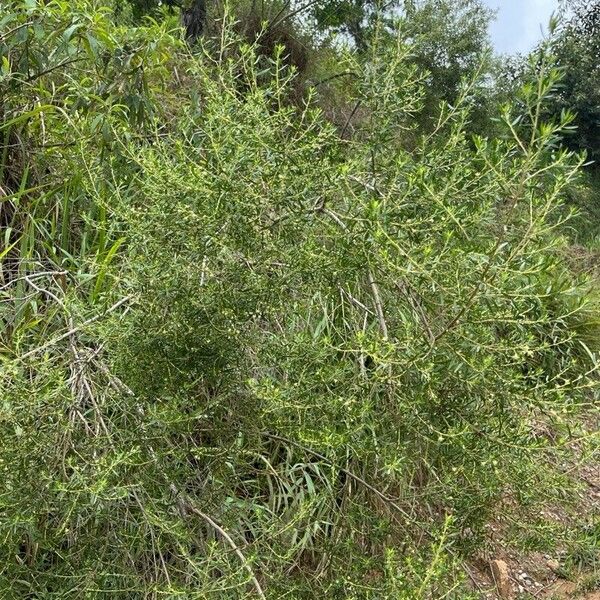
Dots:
pixel 350 117
pixel 292 14
pixel 14 30
pixel 336 76
pixel 64 63
pixel 187 505
pixel 285 6
pixel 356 302
pixel 44 291
pixel 473 295
pixel 378 305
pixel 409 292
pixel 74 329
pixel 372 283
pixel 333 216
pixel 389 500
pixel 33 275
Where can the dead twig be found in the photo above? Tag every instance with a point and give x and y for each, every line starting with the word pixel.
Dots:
pixel 378 305
pixel 389 500
pixel 185 505
pixel 75 329
pixel 32 276
pixel 413 299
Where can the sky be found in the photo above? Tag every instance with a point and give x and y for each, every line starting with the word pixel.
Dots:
pixel 519 23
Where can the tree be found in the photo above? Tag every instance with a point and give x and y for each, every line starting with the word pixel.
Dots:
pixel 194 16
pixel 354 18
pixel 448 38
pixel 450 41
pixel 577 47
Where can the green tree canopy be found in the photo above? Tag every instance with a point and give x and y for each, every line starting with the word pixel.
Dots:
pixel 577 50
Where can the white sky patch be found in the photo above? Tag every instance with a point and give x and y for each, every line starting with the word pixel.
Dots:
pixel 519 23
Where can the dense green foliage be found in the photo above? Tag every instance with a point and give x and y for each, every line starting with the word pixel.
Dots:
pixel 247 351
pixel 576 48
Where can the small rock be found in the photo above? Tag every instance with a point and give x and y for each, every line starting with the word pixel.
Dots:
pixel 553 565
pixel 501 578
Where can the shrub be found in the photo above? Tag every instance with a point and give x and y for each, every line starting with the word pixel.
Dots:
pixel 296 365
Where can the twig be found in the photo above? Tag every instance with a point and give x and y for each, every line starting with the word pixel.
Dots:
pixel 285 6
pixel 356 302
pixel 64 63
pixel 372 283
pixel 350 116
pixel 336 76
pixel 29 277
pixel 74 329
pixel 472 577
pixel 368 186
pixel 114 381
pixel 333 216
pixel 15 29
pixel 277 21
pixel 406 289
pixel 44 291
pixel 472 296
pixel 79 382
pixel 378 305
pixel 346 472
pixel 225 535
